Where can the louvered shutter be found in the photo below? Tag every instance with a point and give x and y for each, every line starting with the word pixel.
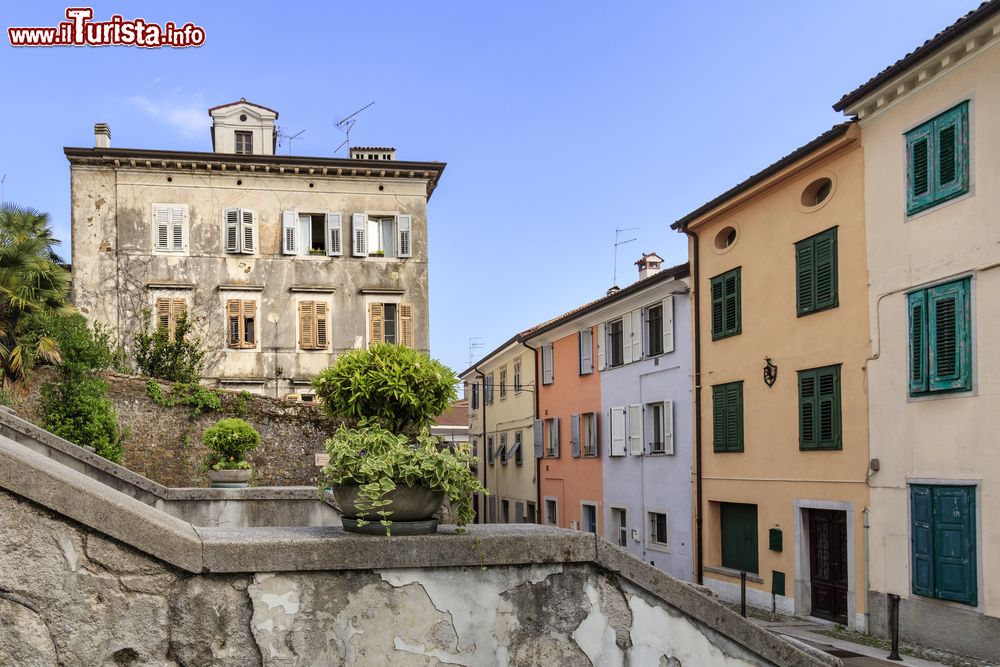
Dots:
pixel 539 451
pixel 807 410
pixel 574 422
pixel 719 418
pixel 668 324
pixel 668 427
pixel 249 322
pixel 307 325
pixel 919 152
pixel 602 343
pixel 376 324
pixel 922 542
pixel 825 248
pixel 161 218
pixel 586 340
pixel 404 235
pixel 359 224
pixel 626 339
pixel 951 147
pixel 233 322
pixel 805 270
pixel 547 371
pixel 718 301
pixel 734 416
pixel 636 340
pixel 947 309
pixel 322 325
pixel 555 437
pixel 617 431
pixel 232 219
pixel 177 228
pixel 248 220
pixel 334 235
pixel 635 430
pixel 917 303
pixel 289 233
pixel 731 306
pixel 828 400
pixel 406 324
pixel 163 314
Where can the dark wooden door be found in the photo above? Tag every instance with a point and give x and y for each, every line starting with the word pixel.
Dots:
pixel 828 564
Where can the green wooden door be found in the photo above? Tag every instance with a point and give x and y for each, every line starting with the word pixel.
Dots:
pixel 739 536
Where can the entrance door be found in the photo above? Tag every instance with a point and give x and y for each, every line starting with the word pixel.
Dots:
pixel 828 564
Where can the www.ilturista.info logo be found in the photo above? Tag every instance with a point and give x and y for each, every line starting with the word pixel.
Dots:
pixel 80 30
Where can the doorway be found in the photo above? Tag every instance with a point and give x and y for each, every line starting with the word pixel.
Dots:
pixel 828 564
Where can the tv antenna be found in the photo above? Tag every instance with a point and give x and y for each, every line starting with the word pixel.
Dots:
pixel 1 187
pixel 282 135
pixel 475 343
pixel 346 123
pixel 618 232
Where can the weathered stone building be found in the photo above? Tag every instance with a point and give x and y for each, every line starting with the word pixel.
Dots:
pixel 281 262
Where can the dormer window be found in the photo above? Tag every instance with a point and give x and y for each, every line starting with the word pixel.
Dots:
pixel 244 143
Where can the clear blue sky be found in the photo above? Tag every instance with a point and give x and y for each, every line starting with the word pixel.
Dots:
pixel 559 121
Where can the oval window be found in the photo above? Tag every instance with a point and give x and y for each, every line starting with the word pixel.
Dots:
pixel 817 192
pixel 725 238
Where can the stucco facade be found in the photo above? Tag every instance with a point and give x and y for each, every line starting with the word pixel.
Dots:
pixel 935 440
pixel 207 230
pixel 763 476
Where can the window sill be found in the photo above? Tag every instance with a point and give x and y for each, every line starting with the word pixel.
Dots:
pixel 730 572
pixel 728 335
pixel 727 451
pixel 656 546
pixel 807 313
pixel 837 448
pixel 930 206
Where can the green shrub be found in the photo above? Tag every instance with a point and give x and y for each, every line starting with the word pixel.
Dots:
pixel 394 386
pixel 78 409
pixel 198 398
pixel 157 356
pixel 83 348
pixel 229 441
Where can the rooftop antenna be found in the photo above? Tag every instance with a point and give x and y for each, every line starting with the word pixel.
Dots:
pixel 1 188
pixel 290 137
pixel 475 343
pixel 614 279
pixel 346 123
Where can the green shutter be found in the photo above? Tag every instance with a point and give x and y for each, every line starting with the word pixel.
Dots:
pixel 922 565
pixel 727 417
pixel 807 410
pixel 917 303
pixel 919 193
pixel 805 270
pixel 739 536
pixel 719 418
pixel 937 156
pixel 816 272
pixel 726 304
pixel 950 350
pixel 717 303
pixel 954 544
pixel 819 408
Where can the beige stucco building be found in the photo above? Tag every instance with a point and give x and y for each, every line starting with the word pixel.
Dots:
pixel 500 389
pixel 930 128
pixel 281 262
pixel 781 341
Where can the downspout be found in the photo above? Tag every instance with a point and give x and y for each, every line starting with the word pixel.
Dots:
pixel 868 616
pixel 538 461
pixel 482 460
pixel 699 542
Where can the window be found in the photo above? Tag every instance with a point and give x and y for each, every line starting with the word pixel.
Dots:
pixel 168 312
pixel 551 516
pixel 659 427
pixel 518 511
pixel 502 452
pixel 616 343
pixel 620 522
pixel 391 323
pixel 314 325
pixel 244 143
pixel 170 223
pixel 529 512
pixel 588 518
pixel 816 273
pixel 727 417
pixel 489 449
pixel 548 375
pixel 819 408
pixel 940 339
pixel 382 236
pixel 475 446
pixel 241 324
pixel 518 456
pixel 503 382
pixel 504 511
pixel 585 346
pixel 475 395
pixel 488 389
pixel 726 304
pixel 658 529
pixel 937 159
pixel 739 536
pixel 654 330
pixel 552 437
pixel 311 234
pixel 588 433
pixel 241 230
pixel 943 542
pixel 517 376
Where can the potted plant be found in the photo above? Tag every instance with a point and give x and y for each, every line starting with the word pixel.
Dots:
pixel 228 442
pixel 387 471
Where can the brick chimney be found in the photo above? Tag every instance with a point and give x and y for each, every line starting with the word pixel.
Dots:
pixel 649 265
pixel 102 135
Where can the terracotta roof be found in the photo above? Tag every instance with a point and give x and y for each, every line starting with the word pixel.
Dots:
pixel 457 415
pixel 833 133
pixel 242 100
pixel 956 29
pixel 646 256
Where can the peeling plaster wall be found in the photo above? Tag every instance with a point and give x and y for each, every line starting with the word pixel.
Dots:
pixel 69 596
pixel 114 261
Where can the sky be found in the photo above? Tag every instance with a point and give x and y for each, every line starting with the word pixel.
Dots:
pixel 560 121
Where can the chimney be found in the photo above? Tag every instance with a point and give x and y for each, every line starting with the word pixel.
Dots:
pixel 102 135
pixel 649 265
pixel 614 289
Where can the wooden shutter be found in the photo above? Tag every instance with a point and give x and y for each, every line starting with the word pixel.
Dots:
pixel 376 324
pixel 539 448
pixel 805 271
pixel 232 221
pixel 950 140
pixel 739 536
pixel 727 417
pixel 950 349
pixel 234 324
pixel 668 427
pixel 178 307
pixel 289 233
pixel 586 342
pixel 635 430
pixel 921 540
pixel 248 220
pixel 161 218
pixel 307 325
pixel 819 408
pixel 406 324
pixel 555 438
pixel 617 431
pixel 636 340
pixel 404 235
pixel 334 235
pixel 919 152
pixel 731 306
pixel 602 343
pixel 626 339
pixel 718 302
pixel 807 410
pixel 248 326
pixel 719 418
pixel 825 254
pixel 322 326
pixel 574 422
pixel 177 228
pixel 954 543
pixel 547 374
pixel 163 314
pixel 359 224
pixel 917 305
pixel 668 324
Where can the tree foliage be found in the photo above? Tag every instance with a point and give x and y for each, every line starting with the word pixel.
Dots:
pixel 176 359
pixel 229 441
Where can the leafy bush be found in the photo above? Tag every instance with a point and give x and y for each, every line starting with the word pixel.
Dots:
pixel 198 398
pixel 229 441
pixel 394 386
pixel 377 460
pixel 78 409
pixel 157 356
pixel 83 348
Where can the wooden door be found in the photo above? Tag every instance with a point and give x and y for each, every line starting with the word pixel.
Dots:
pixel 828 564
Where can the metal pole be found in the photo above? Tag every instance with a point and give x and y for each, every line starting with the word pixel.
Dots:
pixel 893 610
pixel 743 594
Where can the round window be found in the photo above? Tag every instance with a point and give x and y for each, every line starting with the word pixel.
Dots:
pixel 243 117
pixel 725 238
pixel 817 192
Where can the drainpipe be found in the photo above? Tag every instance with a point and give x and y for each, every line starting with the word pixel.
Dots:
pixel 699 542
pixel 538 462
pixel 868 616
pixel 482 459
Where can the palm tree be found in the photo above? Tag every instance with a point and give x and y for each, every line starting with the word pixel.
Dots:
pixel 31 283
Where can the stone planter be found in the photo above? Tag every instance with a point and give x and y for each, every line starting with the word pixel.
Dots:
pixel 412 510
pixel 229 479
